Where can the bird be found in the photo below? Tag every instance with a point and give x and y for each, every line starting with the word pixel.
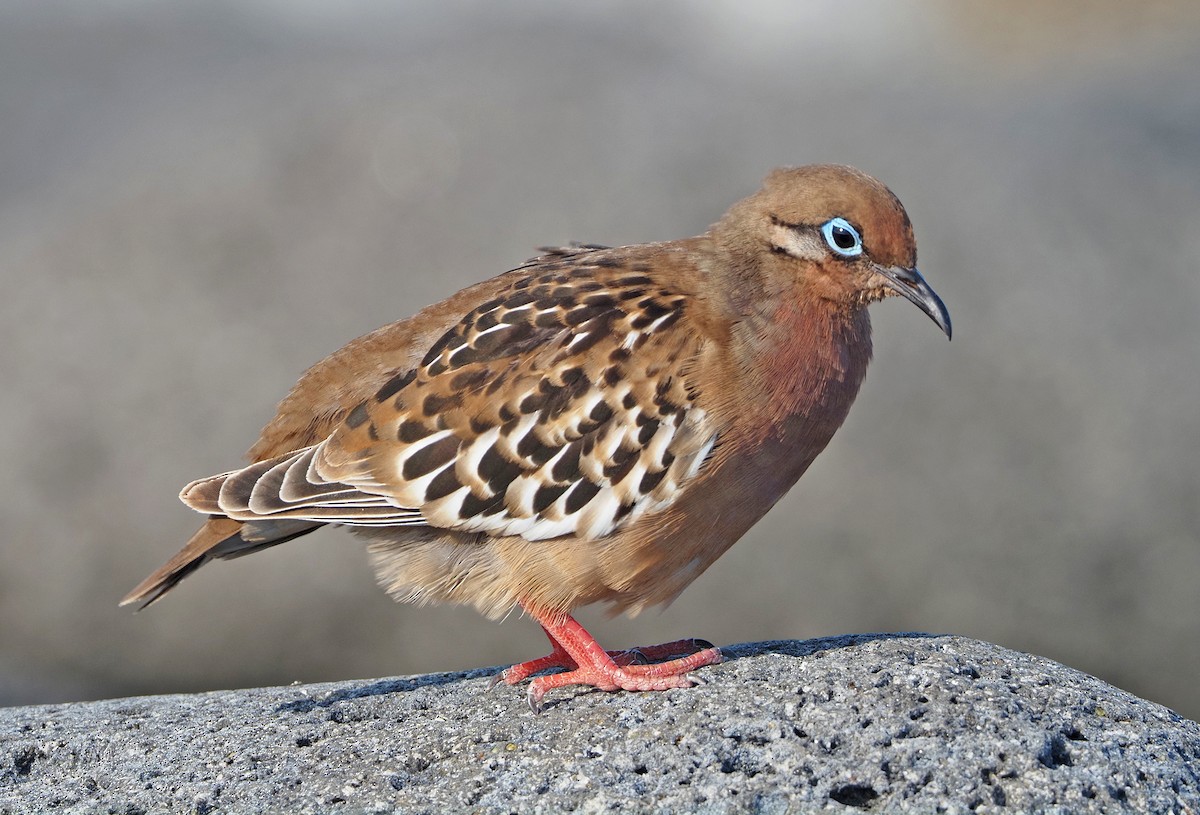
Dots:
pixel 597 425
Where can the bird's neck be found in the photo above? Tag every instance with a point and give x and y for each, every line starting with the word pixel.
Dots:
pixel 813 355
pixel 801 356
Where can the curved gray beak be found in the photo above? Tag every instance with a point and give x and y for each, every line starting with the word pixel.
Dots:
pixel 909 284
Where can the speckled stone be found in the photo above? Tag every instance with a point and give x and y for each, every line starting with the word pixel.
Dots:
pixel 885 723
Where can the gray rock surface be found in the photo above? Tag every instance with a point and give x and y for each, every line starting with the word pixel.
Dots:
pixel 887 722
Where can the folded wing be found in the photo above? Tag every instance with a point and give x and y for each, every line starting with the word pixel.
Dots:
pixel 562 406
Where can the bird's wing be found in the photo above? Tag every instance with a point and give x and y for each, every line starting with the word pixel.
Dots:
pixel 328 390
pixel 564 405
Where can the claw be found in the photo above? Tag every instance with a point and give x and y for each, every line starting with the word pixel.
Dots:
pixel 534 698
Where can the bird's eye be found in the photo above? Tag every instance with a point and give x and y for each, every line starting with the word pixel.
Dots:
pixel 841 237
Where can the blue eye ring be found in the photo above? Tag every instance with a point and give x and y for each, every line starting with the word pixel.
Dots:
pixel 842 237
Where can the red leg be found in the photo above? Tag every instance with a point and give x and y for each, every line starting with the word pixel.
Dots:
pixel 558 658
pixel 586 663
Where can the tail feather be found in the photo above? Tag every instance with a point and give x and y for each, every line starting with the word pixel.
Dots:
pixel 220 537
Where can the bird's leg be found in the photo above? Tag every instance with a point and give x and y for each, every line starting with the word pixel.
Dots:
pixel 586 663
pixel 559 658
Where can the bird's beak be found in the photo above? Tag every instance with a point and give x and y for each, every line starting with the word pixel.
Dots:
pixel 909 284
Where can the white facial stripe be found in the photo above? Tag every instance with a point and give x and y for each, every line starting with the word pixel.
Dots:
pixel 803 245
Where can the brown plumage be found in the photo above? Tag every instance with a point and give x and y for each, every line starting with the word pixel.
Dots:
pixel 597 425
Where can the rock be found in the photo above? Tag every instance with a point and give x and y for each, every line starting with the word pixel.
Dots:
pixel 878 722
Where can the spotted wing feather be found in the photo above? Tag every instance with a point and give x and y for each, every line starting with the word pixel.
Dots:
pixel 561 406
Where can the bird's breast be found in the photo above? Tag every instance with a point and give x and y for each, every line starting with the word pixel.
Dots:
pixel 810 362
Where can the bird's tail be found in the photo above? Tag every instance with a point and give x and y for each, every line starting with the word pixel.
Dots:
pixel 220 537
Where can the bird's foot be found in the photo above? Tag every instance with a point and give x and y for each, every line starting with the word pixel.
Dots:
pixel 559 658
pixel 584 662
pixel 607 675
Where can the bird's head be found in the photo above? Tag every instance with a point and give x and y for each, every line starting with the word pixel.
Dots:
pixel 842 233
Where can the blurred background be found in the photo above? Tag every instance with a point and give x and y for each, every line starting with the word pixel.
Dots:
pixel 199 199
